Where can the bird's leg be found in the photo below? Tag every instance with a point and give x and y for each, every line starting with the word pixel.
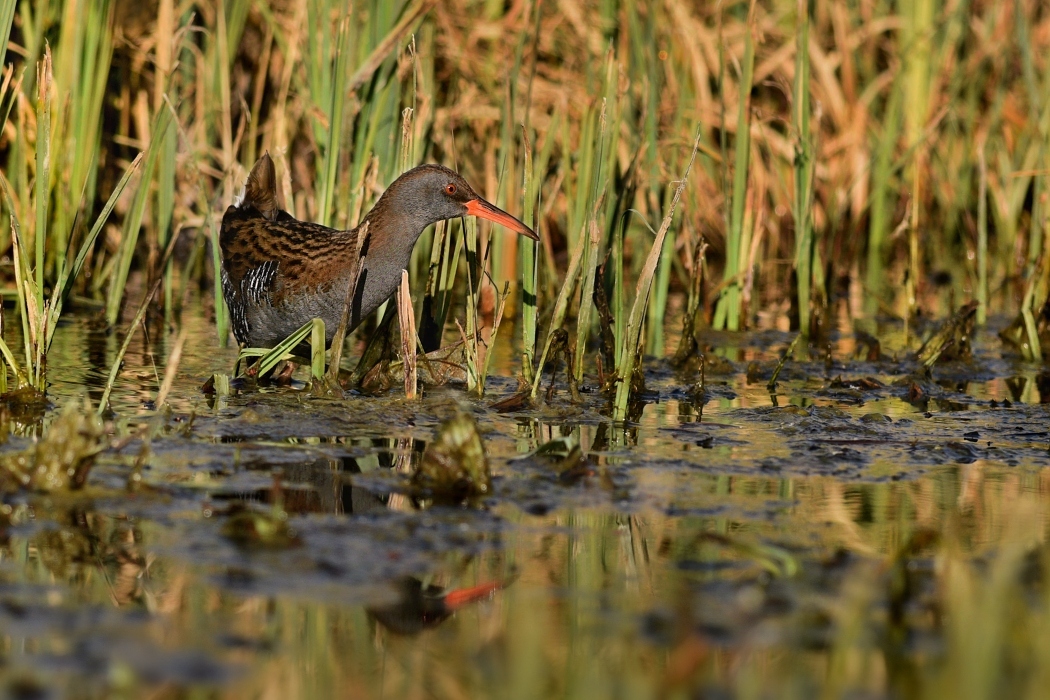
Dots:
pixel 284 377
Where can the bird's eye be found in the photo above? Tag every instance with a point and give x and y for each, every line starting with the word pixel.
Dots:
pixel 450 188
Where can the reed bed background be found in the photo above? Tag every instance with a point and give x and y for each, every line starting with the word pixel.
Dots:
pixel 851 160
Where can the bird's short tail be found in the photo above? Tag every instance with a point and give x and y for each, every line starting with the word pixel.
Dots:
pixel 260 191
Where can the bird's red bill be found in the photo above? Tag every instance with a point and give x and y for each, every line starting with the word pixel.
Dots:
pixel 464 596
pixel 483 210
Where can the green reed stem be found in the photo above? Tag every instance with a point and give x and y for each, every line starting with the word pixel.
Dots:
pixel 326 185
pixel 81 72
pixel 596 189
pixel 39 322
pixel 166 199
pixel 879 221
pixel 1031 329
pixel 432 321
pixel 727 313
pixel 619 301
pixel 918 31
pixel 474 272
pixel 529 268
pixel 982 236
pixel 222 314
pixel 22 283
pixel 804 168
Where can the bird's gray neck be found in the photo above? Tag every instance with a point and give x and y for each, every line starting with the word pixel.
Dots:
pixel 397 219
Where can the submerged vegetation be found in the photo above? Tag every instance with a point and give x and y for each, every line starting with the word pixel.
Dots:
pixel 822 169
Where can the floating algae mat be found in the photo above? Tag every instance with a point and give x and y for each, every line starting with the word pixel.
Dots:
pixel 867 528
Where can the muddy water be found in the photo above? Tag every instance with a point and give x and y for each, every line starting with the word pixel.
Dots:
pixel 735 543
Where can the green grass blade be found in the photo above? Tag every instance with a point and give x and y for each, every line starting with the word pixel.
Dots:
pixel 269 357
pixel 43 170
pixel 11 362
pixel 7 16
pixel 804 168
pixel 583 319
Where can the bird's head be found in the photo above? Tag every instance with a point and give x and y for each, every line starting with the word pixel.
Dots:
pixel 432 193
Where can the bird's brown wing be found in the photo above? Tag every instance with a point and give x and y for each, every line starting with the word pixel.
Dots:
pixel 262 257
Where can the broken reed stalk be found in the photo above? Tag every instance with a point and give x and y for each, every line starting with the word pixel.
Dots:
pixel 340 332
pixel 1032 348
pixel 772 385
pixel 630 354
pixel 171 367
pixel 317 348
pixel 406 318
pixel 583 319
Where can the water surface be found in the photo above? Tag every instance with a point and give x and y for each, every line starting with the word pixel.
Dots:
pixel 742 543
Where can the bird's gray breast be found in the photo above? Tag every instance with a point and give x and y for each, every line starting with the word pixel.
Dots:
pixel 276 321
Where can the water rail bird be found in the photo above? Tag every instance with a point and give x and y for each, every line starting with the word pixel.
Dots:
pixel 279 272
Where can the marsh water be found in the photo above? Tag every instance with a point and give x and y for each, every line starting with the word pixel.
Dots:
pixel 729 542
